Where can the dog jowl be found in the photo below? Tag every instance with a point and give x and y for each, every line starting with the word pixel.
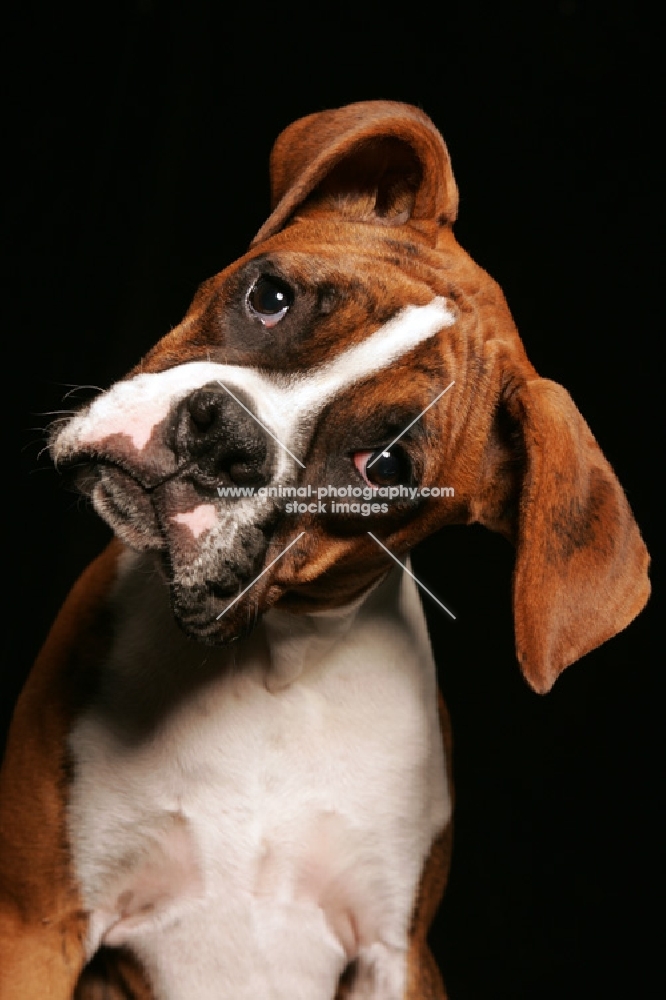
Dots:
pixel 256 802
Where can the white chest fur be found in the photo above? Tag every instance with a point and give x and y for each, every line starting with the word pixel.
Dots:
pixel 251 819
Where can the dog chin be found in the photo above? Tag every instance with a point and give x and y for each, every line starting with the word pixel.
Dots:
pixel 196 610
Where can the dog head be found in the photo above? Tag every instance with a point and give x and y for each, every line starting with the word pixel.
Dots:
pixel 303 362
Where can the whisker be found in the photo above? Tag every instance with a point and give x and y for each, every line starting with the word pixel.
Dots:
pixel 76 388
pixel 50 413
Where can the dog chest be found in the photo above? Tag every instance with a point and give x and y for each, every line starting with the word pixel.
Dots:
pixel 216 815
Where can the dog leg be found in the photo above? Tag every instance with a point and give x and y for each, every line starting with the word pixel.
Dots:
pixel 43 928
pixel 424 981
pixel 379 974
pixel 366 981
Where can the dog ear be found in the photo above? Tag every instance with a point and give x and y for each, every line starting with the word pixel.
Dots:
pixel 581 564
pixel 375 161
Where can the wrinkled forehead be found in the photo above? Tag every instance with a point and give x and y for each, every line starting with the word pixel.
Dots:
pixel 285 404
pixel 341 292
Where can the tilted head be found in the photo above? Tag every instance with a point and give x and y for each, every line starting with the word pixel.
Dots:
pixel 300 363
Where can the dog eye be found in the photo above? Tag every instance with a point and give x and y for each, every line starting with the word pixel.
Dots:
pixel 386 468
pixel 269 299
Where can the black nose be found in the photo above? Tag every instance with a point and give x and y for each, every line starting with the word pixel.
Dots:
pixel 220 441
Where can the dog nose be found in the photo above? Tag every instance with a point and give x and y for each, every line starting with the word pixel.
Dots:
pixel 219 439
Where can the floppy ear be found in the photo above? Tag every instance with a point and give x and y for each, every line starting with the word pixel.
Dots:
pixel 375 161
pixel 581 564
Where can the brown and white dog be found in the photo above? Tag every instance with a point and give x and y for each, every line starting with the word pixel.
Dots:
pixel 228 774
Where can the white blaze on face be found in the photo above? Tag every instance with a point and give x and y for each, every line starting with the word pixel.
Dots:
pixel 406 330
pixel 284 404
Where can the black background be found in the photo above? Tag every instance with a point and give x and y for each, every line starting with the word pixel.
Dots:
pixel 140 135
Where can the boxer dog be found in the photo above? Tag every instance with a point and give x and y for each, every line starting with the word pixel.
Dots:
pixel 228 775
